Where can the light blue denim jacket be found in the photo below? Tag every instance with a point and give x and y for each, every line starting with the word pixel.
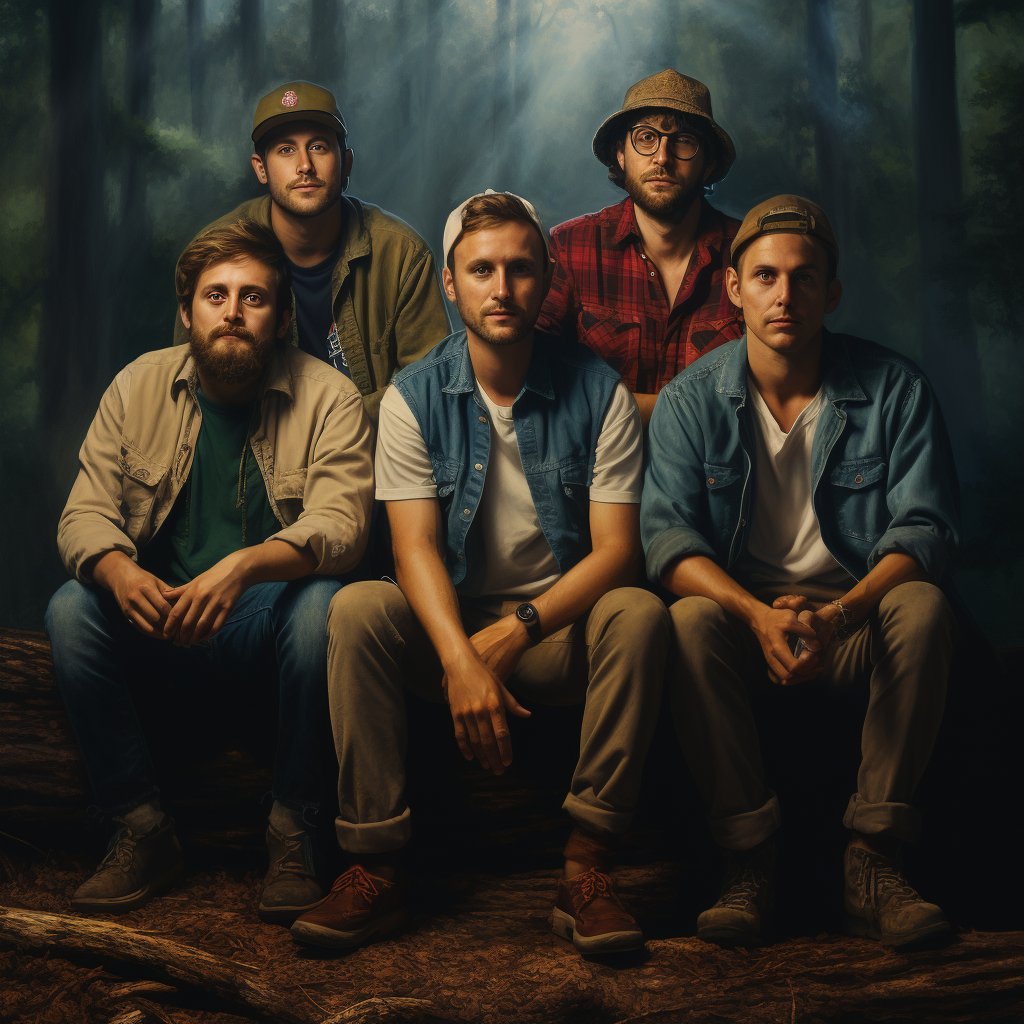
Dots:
pixel 558 417
pixel 882 473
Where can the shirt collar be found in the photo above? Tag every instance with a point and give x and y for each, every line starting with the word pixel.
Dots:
pixel 710 229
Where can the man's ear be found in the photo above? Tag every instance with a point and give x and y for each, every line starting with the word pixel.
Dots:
pixel 448 283
pixel 620 155
pixel 261 171
pixel 286 319
pixel 346 163
pixel 709 168
pixel 833 295
pixel 185 318
pixel 732 287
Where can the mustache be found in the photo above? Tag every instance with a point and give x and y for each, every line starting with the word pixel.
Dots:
pixel 658 174
pixel 238 332
pixel 311 180
pixel 499 308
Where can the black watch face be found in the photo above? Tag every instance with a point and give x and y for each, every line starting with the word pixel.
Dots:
pixel 526 613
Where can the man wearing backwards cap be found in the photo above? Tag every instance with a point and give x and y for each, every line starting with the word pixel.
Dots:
pixel 365 291
pixel 643 282
pixel 510 463
pixel 801 499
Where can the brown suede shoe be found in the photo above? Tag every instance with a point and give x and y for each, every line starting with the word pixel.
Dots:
pixel 359 908
pixel 880 904
pixel 290 887
pixel 591 916
pixel 137 867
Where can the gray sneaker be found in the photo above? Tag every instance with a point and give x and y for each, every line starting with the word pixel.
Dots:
pixel 290 887
pixel 880 904
pixel 746 897
pixel 137 867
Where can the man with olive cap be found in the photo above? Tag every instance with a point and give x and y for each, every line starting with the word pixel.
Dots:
pixel 801 500
pixel 510 463
pixel 365 289
pixel 642 283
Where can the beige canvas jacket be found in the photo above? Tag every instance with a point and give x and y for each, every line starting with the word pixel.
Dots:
pixel 387 300
pixel 313 444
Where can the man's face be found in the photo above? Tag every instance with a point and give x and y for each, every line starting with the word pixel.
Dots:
pixel 662 185
pixel 233 322
pixel 304 167
pixel 781 288
pixel 500 280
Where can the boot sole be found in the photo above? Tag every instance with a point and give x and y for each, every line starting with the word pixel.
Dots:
pixel 861 928
pixel 133 900
pixel 309 934
pixel 564 926
pixel 285 915
pixel 720 935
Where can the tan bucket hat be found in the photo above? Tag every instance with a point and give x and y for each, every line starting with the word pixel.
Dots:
pixel 296 101
pixel 673 91
pixel 785 213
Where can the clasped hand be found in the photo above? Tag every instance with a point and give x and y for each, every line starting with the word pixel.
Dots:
pixel 793 615
pixel 474 686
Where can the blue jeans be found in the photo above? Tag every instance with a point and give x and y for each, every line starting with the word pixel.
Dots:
pixel 275 629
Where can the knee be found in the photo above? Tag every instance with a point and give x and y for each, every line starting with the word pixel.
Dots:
pixel 306 609
pixel 919 612
pixel 697 620
pixel 365 610
pixel 70 616
pixel 636 613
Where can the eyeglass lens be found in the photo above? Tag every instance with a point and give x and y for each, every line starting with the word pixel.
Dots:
pixel 646 141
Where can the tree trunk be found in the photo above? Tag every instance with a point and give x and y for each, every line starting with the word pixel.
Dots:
pixel 865 35
pixel 254 48
pixel 825 114
pixel 195 21
pixel 327 45
pixel 948 343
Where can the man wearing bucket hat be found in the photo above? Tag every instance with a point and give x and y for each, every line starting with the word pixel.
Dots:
pixel 801 500
pixel 510 463
pixel 365 290
pixel 642 283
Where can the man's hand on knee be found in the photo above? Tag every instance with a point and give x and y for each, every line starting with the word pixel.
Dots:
pixel 202 607
pixel 144 599
pixel 773 628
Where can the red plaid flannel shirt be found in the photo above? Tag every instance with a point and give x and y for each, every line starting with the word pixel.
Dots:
pixel 606 294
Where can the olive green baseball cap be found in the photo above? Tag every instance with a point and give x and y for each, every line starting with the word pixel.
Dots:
pixel 296 101
pixel 785 213
pixel 668 90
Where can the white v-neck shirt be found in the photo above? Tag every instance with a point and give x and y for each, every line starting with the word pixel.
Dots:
pixel 785 539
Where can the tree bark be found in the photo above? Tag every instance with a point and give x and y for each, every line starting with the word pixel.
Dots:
pixel 195 27
pixel 948 342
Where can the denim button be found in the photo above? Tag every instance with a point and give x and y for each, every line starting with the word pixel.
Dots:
pixel 465 511
pixel 482 419
pixel 478 467
pixel 858 479
pixel 711 481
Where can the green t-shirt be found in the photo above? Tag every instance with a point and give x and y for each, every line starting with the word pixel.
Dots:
pixel 210 519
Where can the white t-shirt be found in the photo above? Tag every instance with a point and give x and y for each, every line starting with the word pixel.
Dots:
pixel 518 561
pixel 785 539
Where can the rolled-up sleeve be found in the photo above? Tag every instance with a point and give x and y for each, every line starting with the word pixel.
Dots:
pixel 670 510
pixel 339 490
pixel 92 522
pixel 923 493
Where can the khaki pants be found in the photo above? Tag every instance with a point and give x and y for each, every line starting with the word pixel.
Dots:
pixel 613 658
pixel 902 652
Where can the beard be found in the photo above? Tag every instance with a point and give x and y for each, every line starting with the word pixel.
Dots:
pixel 326 197
pixel 494 334
pixel 237 363
pixel 668 207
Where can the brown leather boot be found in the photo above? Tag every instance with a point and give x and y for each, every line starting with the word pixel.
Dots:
pixel 589 914
pixel 137 866
pixel 880 904
pixel 359 909
pixel 745 899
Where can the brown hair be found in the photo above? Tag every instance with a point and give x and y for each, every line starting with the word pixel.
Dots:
pixel 486 211
pixel 243 240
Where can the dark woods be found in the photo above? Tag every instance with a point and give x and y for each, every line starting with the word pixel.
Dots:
pixel 127 128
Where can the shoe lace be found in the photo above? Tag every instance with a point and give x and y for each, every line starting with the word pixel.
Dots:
pixel 746 880
pixel 589 886
pixel 296 859
pixel 355 878
pixel 886 883
pixel 121 847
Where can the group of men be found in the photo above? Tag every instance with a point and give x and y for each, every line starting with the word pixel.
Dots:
pixel 651 384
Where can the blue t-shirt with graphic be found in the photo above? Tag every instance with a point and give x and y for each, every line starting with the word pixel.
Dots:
pixel 314 312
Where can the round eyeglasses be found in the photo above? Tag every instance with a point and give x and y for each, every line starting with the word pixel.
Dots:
pixel 647 141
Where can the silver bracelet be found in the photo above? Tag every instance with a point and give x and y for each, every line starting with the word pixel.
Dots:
pixel 844 628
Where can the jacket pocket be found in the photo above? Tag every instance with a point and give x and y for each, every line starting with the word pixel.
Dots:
pixel 859 498
pixel 616 341
pixel 724 489
pixel 290 483
pixel 141 478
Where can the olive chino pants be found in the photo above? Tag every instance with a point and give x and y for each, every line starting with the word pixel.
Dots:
pixel 613 659
pixel 901 652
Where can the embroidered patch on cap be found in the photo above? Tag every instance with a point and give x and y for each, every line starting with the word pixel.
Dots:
pixel 289 99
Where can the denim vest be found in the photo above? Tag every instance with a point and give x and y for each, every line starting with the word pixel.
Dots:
pixel 558 417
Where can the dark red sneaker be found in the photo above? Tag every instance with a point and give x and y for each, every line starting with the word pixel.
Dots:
pixel 591 916
pixel 359 908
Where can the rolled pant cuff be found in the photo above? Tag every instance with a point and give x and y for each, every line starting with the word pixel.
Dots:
pixel 744 831
pixel 374 836
pixel 105 813
pixel 901 821
pixel 596 818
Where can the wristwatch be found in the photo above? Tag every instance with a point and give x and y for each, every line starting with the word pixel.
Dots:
pixel 527 615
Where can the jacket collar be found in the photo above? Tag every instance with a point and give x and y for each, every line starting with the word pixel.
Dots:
pixel 538 374
pixel 276 377
pixel 838 381
pixel 710 229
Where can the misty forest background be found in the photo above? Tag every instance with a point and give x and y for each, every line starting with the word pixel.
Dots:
pixel 126 129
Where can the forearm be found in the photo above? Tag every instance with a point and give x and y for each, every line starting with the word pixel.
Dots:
pixel 276 561
pixel 106 569
pixel 604 569
pixel 699 576
pixel 891 570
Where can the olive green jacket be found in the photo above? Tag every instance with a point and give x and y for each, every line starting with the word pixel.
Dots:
pixel 387 302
